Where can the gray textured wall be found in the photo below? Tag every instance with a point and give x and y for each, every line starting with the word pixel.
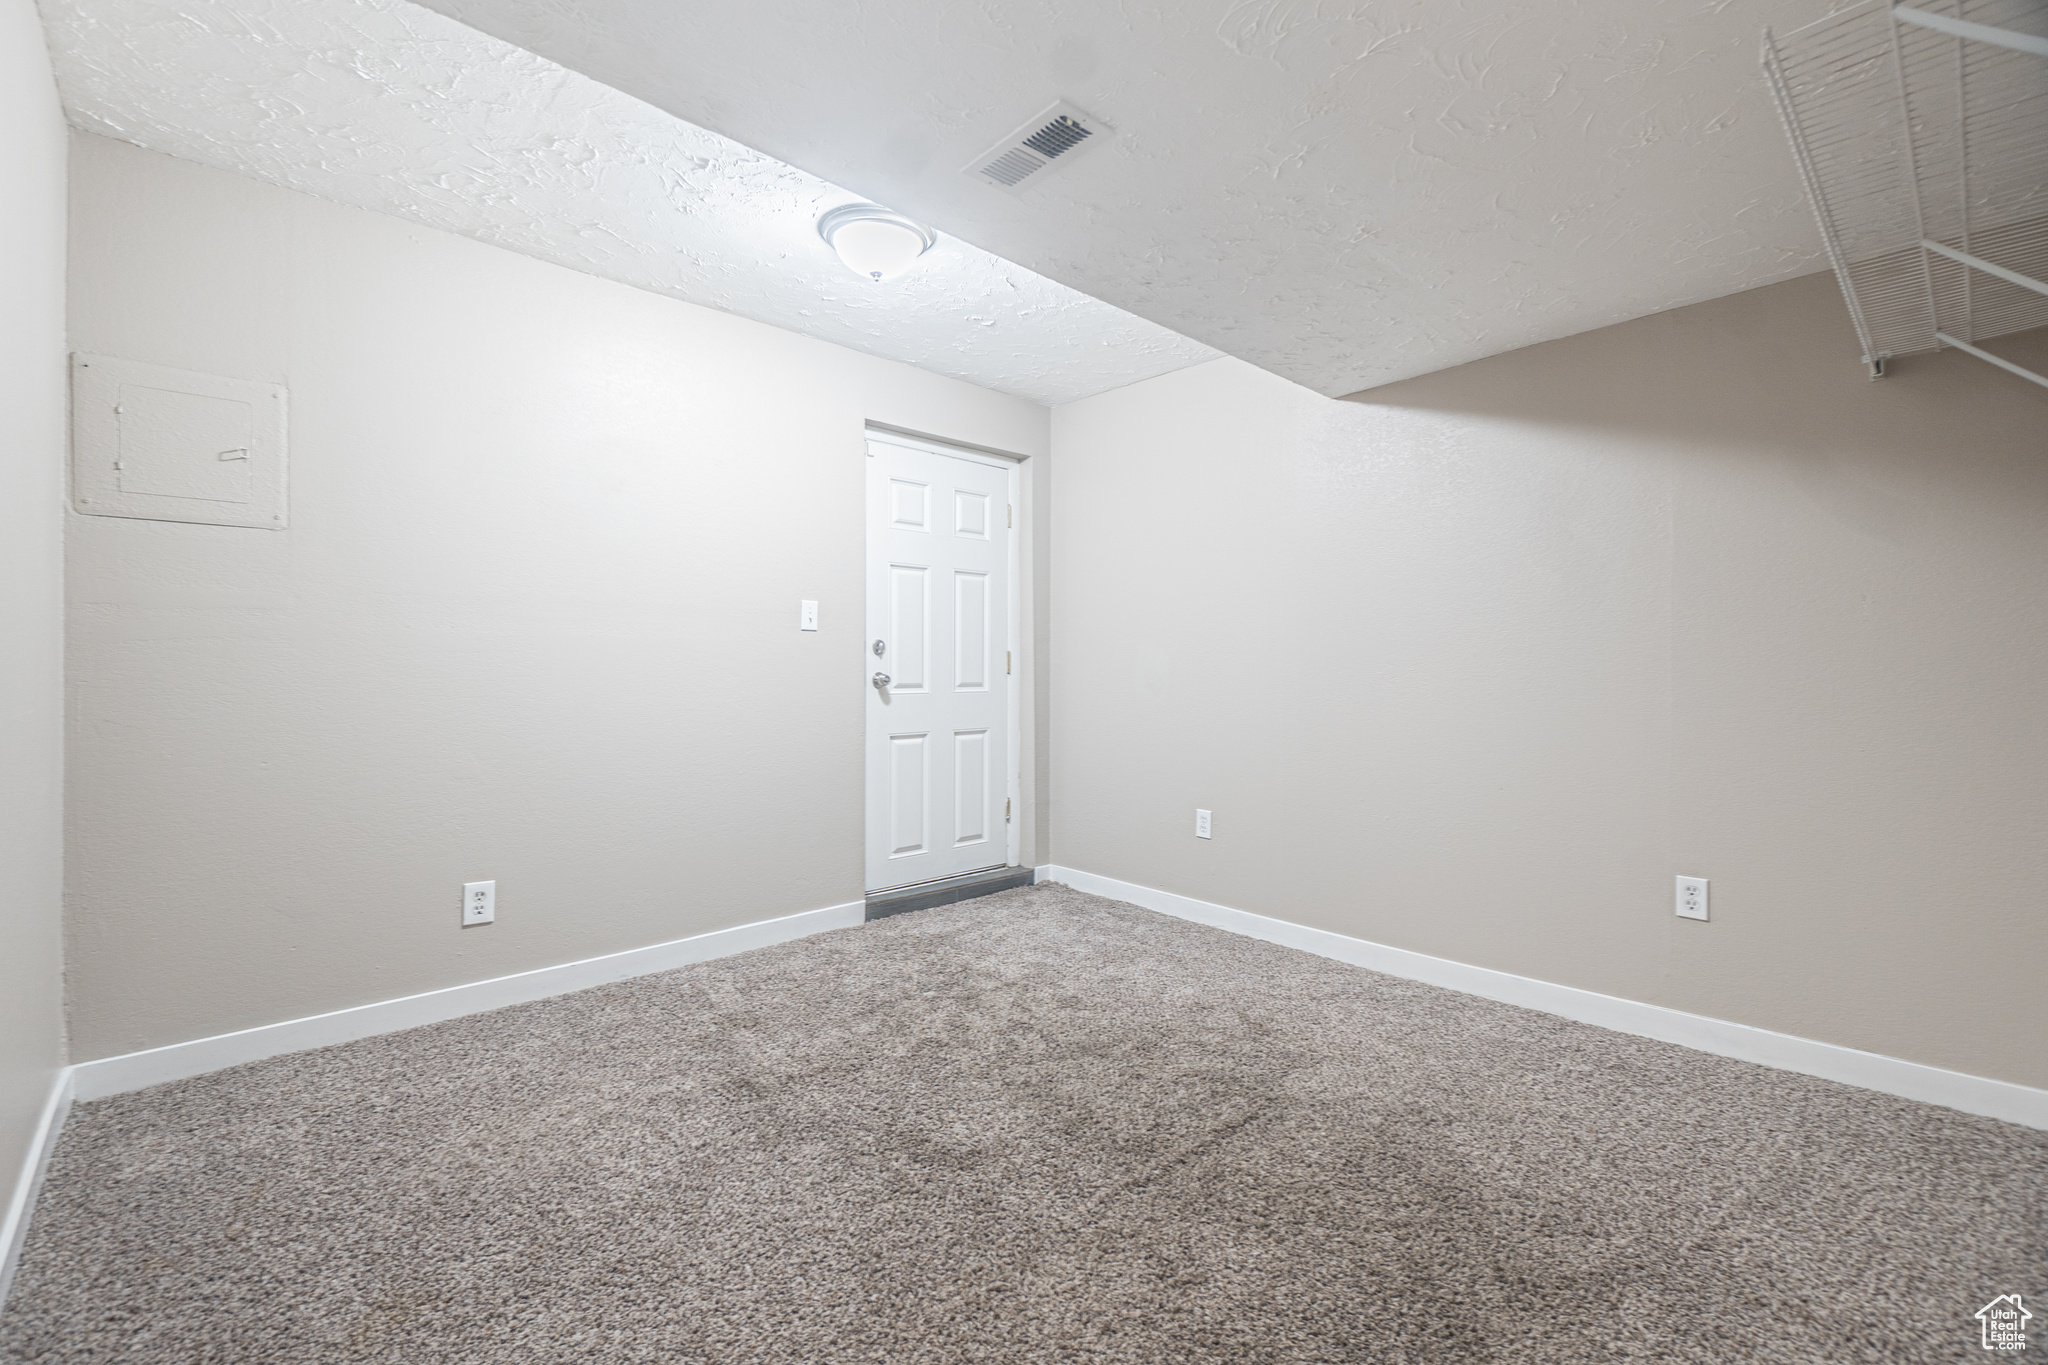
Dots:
pixel 32 387
pixel 1475 664
pixel 534 620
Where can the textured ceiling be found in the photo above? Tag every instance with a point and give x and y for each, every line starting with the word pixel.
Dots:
pixel 1345 192
pixel 390 107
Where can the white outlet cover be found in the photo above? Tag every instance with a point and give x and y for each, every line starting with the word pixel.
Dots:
pixel 1692 898
pixel 479 903
pixel 1201 824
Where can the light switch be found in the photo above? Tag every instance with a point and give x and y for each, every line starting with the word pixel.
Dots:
pixel 807 619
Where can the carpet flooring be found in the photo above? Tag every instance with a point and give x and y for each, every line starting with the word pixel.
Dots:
pixel 1040 1126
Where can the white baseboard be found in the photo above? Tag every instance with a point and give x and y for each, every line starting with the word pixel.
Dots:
pixel 1871 1070
pixel 136 1070
pixel 21 1200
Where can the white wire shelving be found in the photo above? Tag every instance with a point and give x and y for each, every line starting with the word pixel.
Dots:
pixel 1921 133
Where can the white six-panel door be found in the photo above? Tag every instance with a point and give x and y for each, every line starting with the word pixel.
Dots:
pixel 938 604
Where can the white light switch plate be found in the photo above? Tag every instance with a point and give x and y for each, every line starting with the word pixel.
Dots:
pixel 1692 897
pixel 807 617
pixel 479 903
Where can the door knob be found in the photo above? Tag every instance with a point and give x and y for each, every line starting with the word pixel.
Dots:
pixel 881 681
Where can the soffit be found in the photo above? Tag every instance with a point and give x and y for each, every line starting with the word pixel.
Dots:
pixel 386 106
pixel 1344 192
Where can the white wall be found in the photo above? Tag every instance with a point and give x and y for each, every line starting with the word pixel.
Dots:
pixel 32 390
pixel 1475 664
pixel 534 618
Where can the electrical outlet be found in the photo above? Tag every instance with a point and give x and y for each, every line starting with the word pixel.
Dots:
pixel 807 616
pixel 479 903
pixel 1692 897
pixel 1201 824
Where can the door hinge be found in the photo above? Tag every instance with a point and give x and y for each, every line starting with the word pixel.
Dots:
pixel 1006 808
pixel 1009 515
pixel 1006 661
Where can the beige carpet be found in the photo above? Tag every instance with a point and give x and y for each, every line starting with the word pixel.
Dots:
pixel 1036 1127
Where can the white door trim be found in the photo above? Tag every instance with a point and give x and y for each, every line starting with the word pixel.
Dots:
pixel 1012 467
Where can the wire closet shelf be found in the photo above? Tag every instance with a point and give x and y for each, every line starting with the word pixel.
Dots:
pixel 1921 132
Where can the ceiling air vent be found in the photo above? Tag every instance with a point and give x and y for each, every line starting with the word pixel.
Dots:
pixel 1055 137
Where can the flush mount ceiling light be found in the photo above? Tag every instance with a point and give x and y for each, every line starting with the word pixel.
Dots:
pixel 874 241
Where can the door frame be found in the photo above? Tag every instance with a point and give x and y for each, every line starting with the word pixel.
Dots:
pixel 1013 485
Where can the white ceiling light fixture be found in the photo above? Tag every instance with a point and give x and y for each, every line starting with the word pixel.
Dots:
pixel 874 241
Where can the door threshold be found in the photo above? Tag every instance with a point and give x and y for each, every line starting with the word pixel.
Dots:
pixel 946 891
